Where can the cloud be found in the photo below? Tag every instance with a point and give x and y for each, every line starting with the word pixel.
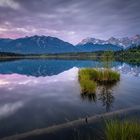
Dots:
pixel 71 20
pixel 9 3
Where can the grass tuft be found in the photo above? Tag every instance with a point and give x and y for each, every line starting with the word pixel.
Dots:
pixel 127 130
pixel 86 82
pixel 89 78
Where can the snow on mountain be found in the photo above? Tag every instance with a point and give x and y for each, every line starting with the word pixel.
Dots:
pixel 47 44
pixel 92 40
pixel 122 42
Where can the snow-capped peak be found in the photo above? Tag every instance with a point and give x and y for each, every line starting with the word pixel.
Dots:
pixel 122 42
pixel 92 40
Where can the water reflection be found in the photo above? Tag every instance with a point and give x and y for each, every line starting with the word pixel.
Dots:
pixel 41 93
pixel 128 69
pixel 10 108
pixel 44 67
pixel 103 94
pixel 90 97
pixel 106 96
pixel 16 90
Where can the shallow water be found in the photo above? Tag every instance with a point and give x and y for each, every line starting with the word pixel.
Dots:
pixel 41 93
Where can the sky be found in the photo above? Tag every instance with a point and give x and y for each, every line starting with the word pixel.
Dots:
pixel 69 20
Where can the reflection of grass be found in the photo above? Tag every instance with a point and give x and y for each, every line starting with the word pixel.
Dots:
pixel 90 97
pixel 89 78
pixel 116 130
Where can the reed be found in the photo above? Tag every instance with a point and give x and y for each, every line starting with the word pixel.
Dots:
pixel 86 82
pixel 89 78
pixel 127 130
pixel 108 76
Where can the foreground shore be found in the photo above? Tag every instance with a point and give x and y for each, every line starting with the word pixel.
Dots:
pixel 74 124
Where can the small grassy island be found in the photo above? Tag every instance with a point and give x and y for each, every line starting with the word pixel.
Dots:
pixel 90 78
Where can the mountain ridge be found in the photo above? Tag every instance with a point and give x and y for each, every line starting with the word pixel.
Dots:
pixel 47 44
pixel 36 44
pixel 124 42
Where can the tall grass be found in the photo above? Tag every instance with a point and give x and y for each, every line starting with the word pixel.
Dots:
pixel 127 130
pixel 89 78
pixel 86 82
pixel 99 75
pixel 108 75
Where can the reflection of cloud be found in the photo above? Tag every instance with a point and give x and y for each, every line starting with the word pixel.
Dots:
pixel 22 87
pixel 16 79
pixel 9 108
pixel 3 82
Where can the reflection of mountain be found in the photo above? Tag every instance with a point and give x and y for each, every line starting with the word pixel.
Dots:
pixel 16 90
pixel 128 69
pixel 42 67
pixel 36 102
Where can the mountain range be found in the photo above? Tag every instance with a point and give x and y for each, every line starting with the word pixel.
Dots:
pixel 47 44
pixel 125 42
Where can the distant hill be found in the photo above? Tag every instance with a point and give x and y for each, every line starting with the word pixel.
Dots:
pixel 36 45
pixel 52 45
pixel 90 47
pixel 4 41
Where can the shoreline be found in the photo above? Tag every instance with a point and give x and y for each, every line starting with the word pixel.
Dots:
pixel 73 124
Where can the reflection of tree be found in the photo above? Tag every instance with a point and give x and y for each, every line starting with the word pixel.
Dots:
pixel 90 97
pixel 106 97
pixel 107 59
pixel 105 94
pixel 105 88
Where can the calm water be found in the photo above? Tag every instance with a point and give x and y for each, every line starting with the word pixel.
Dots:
pixel 40 93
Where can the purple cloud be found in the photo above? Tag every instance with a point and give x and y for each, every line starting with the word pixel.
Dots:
pixel 70 20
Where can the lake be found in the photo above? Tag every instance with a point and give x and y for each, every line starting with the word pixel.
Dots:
pixel 38 93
